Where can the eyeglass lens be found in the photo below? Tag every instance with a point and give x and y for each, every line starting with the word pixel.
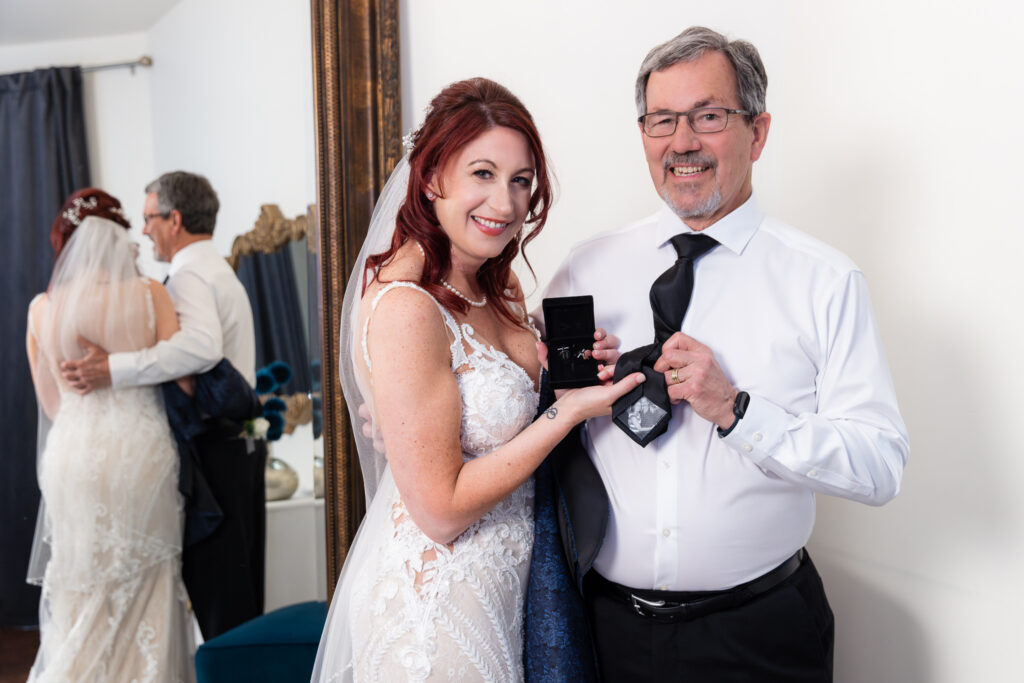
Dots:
pixel 702 120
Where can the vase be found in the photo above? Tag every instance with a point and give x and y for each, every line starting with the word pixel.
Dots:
pixel 318 476
pixel 281 479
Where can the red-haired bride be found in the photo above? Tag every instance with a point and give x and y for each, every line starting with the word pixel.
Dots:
pixel 437 346
pixel 113 604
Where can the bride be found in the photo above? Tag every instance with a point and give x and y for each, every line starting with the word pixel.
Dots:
pixel 437 348
pixel 113 605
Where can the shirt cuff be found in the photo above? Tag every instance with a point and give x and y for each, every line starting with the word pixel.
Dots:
pixel 760 431
pixel 122 369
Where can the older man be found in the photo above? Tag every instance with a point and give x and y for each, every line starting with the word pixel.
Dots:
pixel 686 535
pixel 224 571
pixel 180 213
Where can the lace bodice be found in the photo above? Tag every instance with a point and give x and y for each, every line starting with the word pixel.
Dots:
pixel 498 398
pixel 421 610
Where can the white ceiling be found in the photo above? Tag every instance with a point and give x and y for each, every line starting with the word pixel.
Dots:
pixel 35 21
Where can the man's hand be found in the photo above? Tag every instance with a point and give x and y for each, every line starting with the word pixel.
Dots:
pixel 88 373
pixel 692 374
pixel 606 350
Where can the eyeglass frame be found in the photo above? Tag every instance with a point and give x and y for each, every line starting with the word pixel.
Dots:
pixel 689 122
pixel 147 217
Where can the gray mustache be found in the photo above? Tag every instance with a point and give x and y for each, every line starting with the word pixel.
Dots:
pixel 689 159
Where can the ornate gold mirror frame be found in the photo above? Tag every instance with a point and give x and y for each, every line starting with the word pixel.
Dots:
pixel 358 138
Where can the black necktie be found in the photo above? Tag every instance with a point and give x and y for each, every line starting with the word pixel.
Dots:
pixel 644 412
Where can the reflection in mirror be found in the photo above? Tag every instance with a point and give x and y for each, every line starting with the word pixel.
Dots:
pixel 273 262
pixel 229 95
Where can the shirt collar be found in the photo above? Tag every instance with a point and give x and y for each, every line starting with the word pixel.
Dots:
pixel 733 231
pixel 191 253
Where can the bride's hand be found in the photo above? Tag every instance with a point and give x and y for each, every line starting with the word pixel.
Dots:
pixel 594 401
pixel 370 430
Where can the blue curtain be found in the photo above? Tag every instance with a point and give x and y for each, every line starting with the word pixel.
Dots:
pixel 43 159
pixel 270 282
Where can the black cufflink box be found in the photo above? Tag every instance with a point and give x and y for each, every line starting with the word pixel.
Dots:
pixel 569 323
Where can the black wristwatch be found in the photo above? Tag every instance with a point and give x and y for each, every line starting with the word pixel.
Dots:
pixel 739 409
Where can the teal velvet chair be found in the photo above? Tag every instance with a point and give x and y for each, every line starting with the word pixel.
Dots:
pixel 277 647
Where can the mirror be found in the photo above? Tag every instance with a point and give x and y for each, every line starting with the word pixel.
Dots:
pixel 358 142
pixel 233 102
pixel 228 95
pixel 276 262
pixel 272 262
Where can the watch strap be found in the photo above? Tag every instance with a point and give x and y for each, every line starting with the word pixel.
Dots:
pixel 739 409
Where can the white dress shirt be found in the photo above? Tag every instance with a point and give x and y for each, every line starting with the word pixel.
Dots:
pixel 789 321
pixel 215 319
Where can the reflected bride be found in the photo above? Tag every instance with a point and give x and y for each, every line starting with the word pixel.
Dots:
pixel 113 603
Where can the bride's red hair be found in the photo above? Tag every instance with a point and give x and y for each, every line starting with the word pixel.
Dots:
pixel 89 201
pixel 457 116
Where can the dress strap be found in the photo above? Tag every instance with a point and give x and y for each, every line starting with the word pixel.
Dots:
pixel 32 318
pixel 458 353
pixel 524 316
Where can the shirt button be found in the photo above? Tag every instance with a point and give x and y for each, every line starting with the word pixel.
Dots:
pixel 757 436
pixel 747 447
pixel 812 473
pixel 665 463
pixel 666 533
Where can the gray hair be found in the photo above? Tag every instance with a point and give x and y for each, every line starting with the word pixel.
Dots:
pixel 690 45
pixel 191 195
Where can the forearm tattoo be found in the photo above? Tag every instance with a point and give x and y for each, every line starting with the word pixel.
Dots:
pixel 551 412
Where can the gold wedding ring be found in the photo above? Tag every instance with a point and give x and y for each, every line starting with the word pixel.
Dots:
pixel 675 375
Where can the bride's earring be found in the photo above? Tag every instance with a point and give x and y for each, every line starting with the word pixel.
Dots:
pixel 431 196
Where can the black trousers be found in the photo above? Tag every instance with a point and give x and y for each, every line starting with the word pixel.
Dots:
pixel 224 573
pixel 785 634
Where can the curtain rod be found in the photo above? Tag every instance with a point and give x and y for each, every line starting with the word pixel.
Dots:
pixel 144 60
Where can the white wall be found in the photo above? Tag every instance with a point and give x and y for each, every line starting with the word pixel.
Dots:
pixel 233 100
pixel 895 138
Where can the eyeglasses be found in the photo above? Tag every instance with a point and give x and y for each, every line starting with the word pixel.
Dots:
pixel 147 217
pixel 661 124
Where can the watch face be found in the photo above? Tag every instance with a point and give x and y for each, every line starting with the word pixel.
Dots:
pixel 739 408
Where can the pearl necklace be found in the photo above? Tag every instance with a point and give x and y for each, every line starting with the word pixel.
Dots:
pixel 453 290
pixel 476 304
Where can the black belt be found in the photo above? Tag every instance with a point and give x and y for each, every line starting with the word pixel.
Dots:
pixel 650 603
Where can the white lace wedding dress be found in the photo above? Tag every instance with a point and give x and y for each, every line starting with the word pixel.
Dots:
pixel 113 603
pixel 421 611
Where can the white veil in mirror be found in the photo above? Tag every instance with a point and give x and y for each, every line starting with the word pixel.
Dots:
pixel 95 292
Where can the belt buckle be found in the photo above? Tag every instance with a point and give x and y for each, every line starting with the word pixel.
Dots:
pixel 639 604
